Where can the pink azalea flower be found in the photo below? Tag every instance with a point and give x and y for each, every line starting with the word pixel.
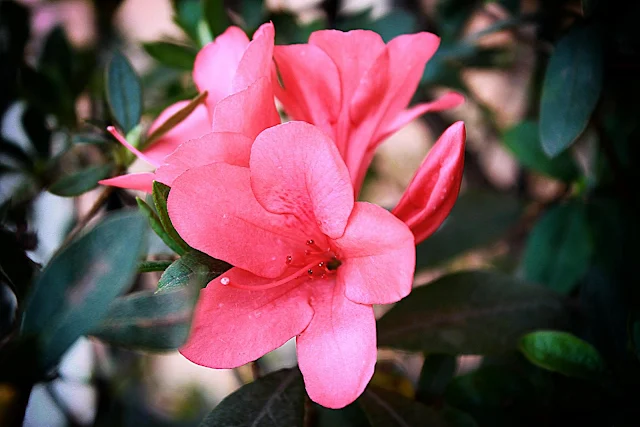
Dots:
pixel 434 188
pixel 236 74
pixel 356 88
pixel 309 261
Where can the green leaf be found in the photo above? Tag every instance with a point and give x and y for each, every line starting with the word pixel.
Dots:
pixel 89 138
pixel 56 58
pixel 558 250
pixel 188 14
pixel 472 312
pixel 387 409
pixel 436 373
pixel 523 140
pixel 274 400
pixel 149 266
pixel 80 182
pixel 563 353
pixel 73 293
pixel 156 226
pixel 172 54
pixel 175 119
pixel 124 92
pixel 193 269
pixel 149 321
pixel 215 15
pixel 253 13
pixel 571 89
pixel 477 219
pixel 389 26
pixel 160 194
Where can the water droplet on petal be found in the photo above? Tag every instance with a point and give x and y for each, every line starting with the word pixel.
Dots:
pixel 225 281
pixel 289 259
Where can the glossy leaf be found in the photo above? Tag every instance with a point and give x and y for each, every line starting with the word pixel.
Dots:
pixel 562 352
pixel 188 14
pixel 80 182
pixel 73 293
pixel 193 269
pixel 157 227
pixel 215 15
pixel 571 89
pixel 160 194
pixel 387 409
pixel 523 140
pixel 436 373
pixel 124 92
pixel 274 400
pixel 172 54
pixel 472 312
pixel 559 248
pixel 149 321
pixel 477 219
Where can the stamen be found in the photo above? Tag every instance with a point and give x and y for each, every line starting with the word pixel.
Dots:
pixel 139 154
pixel 297 274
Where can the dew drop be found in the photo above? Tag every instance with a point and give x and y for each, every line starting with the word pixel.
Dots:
pixel 310 242
pixel 310 272
pixel 289 259
pixel 224 281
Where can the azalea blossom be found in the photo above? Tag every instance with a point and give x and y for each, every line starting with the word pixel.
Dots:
pixel 356 88
pixel 434 188
pixel 308 260
pixel 236 75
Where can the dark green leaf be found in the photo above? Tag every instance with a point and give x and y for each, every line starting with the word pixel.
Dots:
pixel 149 321
pixel 172 54
pixel 350 416
pixel 192 269
pixel 56 58
pixel 453 15
pixel 274 400
pixel 437 371
pixel 477 219
pixel 559 248
pixel 187 15
pixel 253 13
pixel 35 125
pixel 387 409
pixel 393 24
pixel 572 86
pixel 562 352
pixel 215 15
pixel 523 141
pixel 73 293
pixel 472 312
pixel 175 119
pixel 156 226
pixel 149 266
pixel 160 194
pixel 80 182
pixel 124 92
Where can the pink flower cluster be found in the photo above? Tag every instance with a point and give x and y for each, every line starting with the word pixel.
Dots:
pixel 278 201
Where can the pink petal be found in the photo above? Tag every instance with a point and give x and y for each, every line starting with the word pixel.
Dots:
pixel 445 102
pixel 434 188
pixel 217 62
pixel 194 126
pixel 296 169
pixel 311 91
pixel 337 351
pixel 232 327
pixel 378 253
pixel 248 112
pixel 231 148
pixel 408 55
pixel 132 181
pixel 214 210
pixel 353 53
pixel 257 58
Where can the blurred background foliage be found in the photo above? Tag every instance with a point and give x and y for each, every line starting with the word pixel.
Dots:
pixel 531 315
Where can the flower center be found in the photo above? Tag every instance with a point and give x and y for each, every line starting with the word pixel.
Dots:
pixel 315 263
